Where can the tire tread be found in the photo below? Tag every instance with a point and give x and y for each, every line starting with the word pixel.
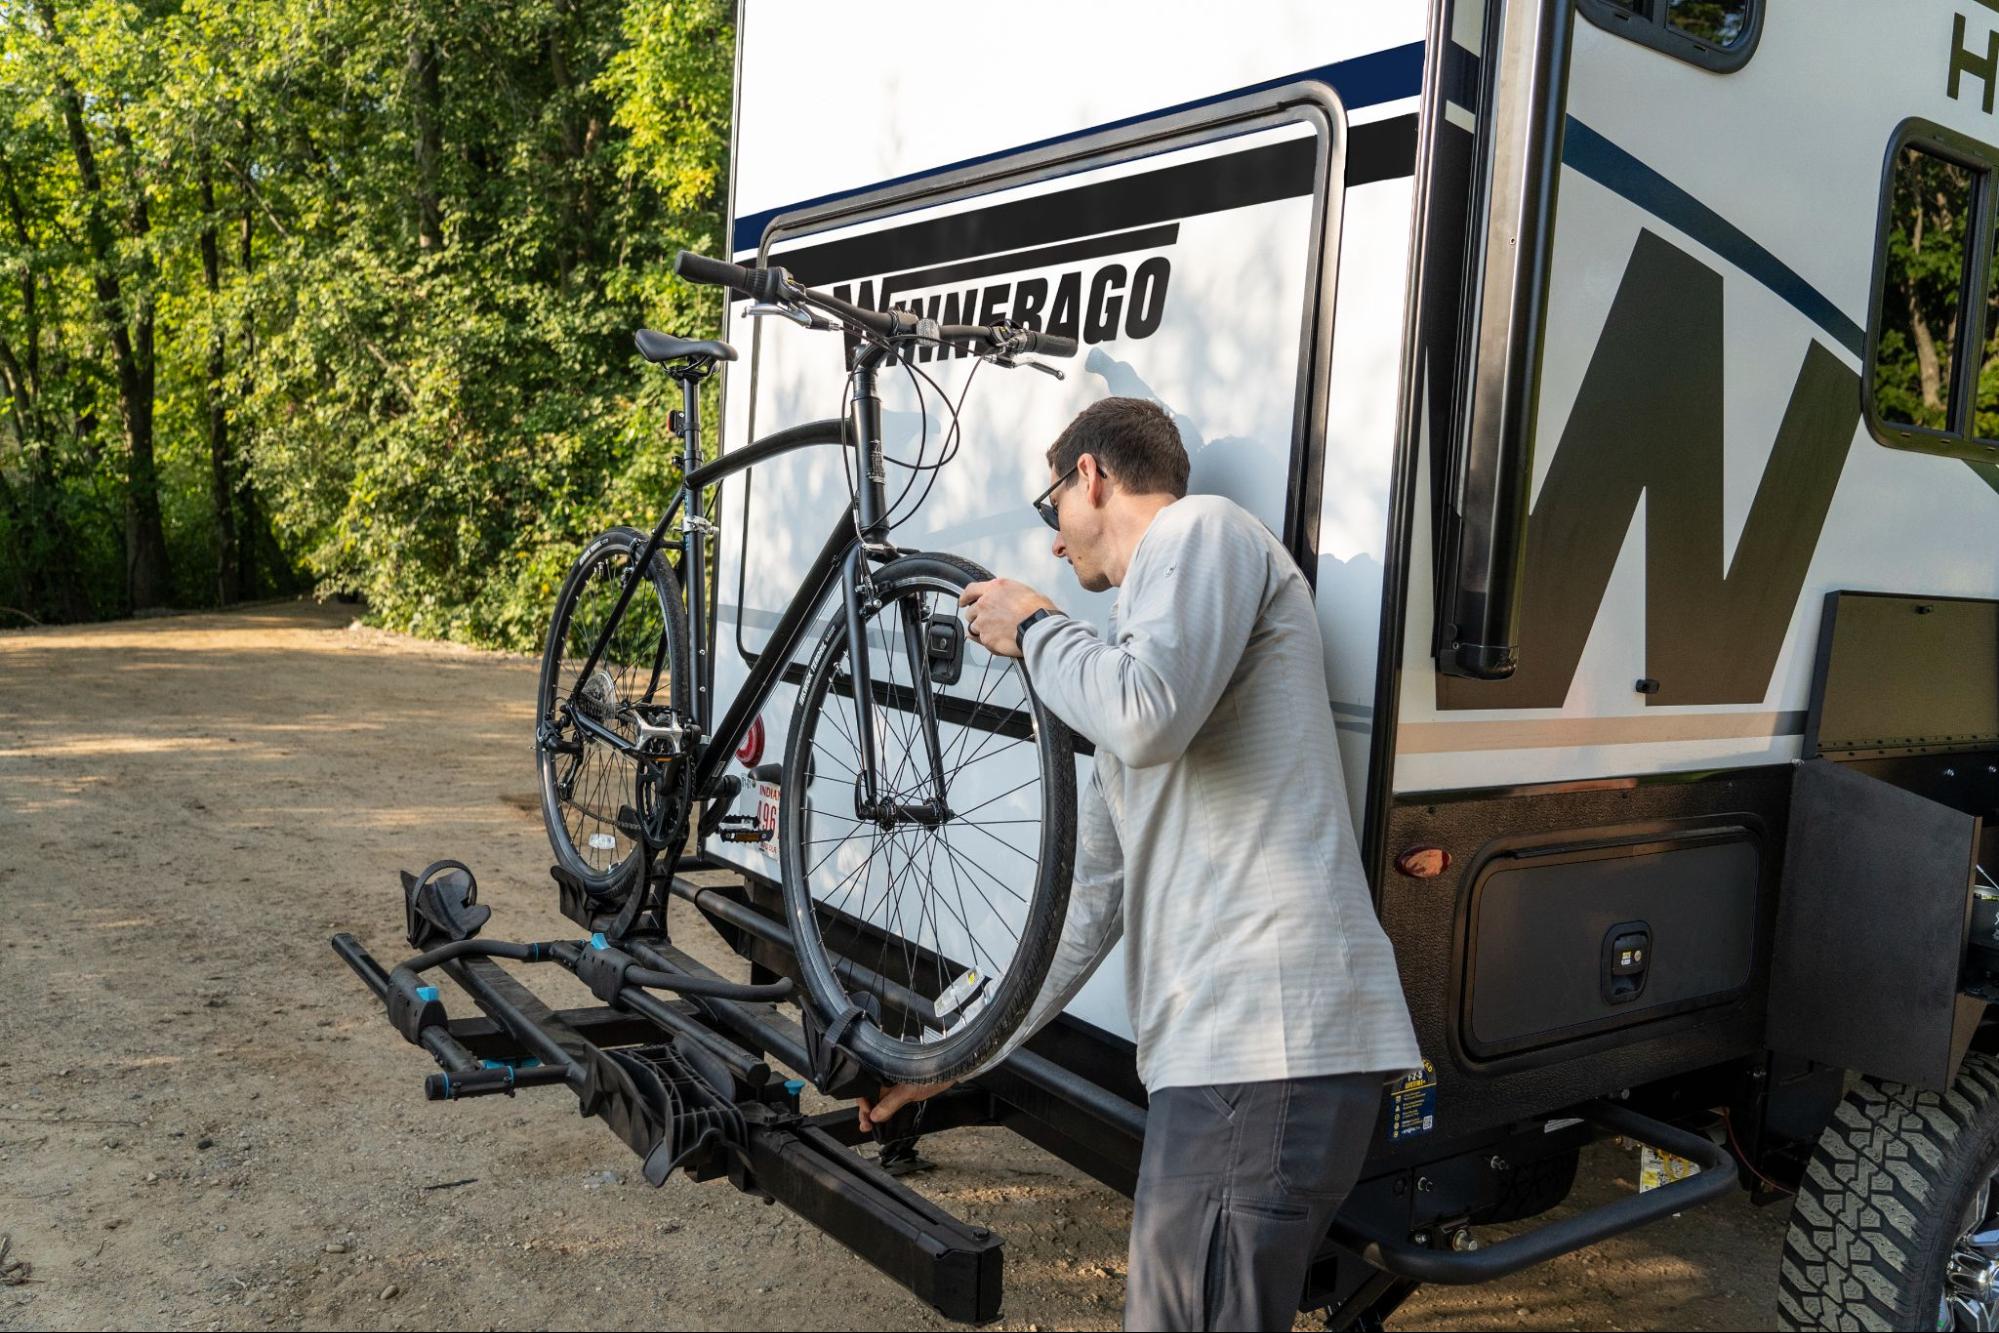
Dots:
pixel 1872 1221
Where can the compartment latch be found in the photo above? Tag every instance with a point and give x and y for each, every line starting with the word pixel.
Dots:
pixel 1627 960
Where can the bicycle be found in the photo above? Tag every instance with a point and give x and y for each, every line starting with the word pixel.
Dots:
pixel 919 956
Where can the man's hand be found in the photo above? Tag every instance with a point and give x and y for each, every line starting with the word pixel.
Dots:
pixel 895 1096
pixel 994 610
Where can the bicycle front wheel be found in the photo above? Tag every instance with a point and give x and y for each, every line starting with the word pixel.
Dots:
pixel 934 904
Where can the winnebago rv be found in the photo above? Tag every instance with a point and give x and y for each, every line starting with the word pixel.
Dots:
pixel 1623 374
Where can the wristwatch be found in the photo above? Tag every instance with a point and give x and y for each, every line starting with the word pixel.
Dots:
pixel 1020 635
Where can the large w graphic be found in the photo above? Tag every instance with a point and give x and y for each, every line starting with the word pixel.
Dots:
pixel 1648 421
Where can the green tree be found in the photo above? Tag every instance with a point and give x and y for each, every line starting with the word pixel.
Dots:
pixel 355 282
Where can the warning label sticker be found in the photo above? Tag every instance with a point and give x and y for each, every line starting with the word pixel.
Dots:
pixel 1412 1103
pixel 1657 1168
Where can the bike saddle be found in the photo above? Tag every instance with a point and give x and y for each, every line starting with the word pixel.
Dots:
pixel 665 347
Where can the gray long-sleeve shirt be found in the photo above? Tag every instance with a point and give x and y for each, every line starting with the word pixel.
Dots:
pixel 1215 831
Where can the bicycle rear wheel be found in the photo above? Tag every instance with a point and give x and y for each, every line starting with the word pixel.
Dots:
pixel 934 911
pixel 591 801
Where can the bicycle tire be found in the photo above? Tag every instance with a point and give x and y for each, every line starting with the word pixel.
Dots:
pixel 664 632
pixel 969 1042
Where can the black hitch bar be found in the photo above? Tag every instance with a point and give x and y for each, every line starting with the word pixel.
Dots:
pixel 685 1082
pixel 1376 1240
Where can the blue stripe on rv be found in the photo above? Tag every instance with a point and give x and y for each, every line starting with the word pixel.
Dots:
pixel 1617 170
pixel 1386 76
pixel 1379 76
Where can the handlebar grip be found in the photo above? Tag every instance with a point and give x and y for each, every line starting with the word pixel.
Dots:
pixel 1051 344
pixel 713 272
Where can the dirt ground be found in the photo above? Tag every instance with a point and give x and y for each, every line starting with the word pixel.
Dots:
pixel 206 1123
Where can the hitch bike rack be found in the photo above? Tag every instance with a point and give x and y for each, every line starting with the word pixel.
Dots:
pixel 684 1082
pixel 688 1084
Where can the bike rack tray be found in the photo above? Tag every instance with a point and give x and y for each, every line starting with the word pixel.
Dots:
pixel 686 1085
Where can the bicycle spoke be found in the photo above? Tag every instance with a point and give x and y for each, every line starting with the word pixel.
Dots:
pixel 981 828
pixel 971 863
pixel 987 737
pixel 981 758
pixel 963 914
pixel 1001 797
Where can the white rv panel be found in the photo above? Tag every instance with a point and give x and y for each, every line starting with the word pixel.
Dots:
pixel 1770 177
pixel 1221 350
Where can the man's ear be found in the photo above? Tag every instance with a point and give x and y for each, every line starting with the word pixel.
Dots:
pixel 1095 485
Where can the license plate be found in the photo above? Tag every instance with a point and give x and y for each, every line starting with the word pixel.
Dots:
pixel 767 796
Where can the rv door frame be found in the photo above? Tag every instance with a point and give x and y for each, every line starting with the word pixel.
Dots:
pixel 1307 101
pixel 1428 283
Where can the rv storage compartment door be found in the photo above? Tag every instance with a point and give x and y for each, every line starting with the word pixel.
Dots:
pixel 1871 929
pixel 1572 940
pixel 1885 829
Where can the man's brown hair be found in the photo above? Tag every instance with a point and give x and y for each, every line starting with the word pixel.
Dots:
pixel 1133 441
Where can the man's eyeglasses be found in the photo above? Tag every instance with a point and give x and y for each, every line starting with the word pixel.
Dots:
pixel 1045 506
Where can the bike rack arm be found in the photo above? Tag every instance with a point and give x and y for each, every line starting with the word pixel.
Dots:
pixel 1403 1258
pixel 447 1050
pixel 757 1027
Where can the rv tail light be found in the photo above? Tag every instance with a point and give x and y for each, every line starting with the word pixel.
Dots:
pixel 1423 862
pixel 751 751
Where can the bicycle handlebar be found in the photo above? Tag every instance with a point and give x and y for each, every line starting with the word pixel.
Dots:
pixel 759 284
pixel 1021 339
pixel 776 285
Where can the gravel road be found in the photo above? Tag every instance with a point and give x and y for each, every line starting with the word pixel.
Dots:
pixel 205 1122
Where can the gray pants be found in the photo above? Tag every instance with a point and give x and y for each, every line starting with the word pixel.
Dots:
pixel 1236 1187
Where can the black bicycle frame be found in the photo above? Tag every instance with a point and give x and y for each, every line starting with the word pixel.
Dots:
pixel 858 536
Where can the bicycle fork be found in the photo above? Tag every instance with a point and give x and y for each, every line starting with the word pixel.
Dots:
pixel 857 587
pixel 869 801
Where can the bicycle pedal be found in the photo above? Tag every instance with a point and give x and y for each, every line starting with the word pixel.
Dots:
pixel 746 830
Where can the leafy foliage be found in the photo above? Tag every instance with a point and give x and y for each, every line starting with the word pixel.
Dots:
pixel 351 299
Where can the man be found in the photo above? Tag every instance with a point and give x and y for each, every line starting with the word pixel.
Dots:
pixel 1215 836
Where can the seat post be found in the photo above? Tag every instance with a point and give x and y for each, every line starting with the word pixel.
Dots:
pixel 690 422
pixel 693 551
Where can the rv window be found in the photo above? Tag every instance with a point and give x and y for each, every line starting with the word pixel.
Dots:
pixel 1923 271
pixel 1719 23
pixel 1716 34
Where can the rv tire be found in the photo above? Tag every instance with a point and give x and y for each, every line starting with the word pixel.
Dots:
pixel 1900 1182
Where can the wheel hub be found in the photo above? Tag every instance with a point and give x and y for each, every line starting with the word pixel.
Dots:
pixel 1971 1281
pixel 890 813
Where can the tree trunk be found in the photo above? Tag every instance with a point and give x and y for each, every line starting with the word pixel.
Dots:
pixel 51 580
pixel 250 525
pixel 573 245
pixel 221 498
pixel 426 100
pixel 1929 370
pixel 132 348
pixel 146 549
